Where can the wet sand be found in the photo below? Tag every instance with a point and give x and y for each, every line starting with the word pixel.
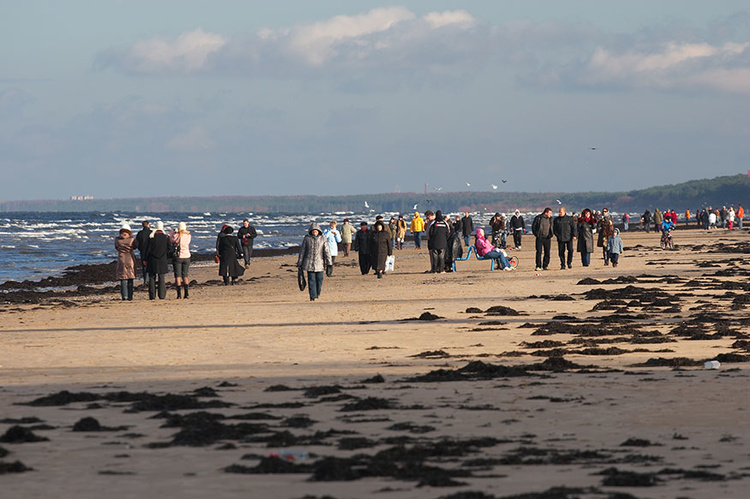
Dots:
pixel 565 383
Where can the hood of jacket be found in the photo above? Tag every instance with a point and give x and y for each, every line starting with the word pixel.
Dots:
pixel 314 226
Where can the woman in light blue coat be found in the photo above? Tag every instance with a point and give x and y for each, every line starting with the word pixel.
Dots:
pixel 333 236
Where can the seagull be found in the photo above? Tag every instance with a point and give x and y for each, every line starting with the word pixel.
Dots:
pixel 415 206
pixel 366 205
pixel 438 189
pixel 494 186
pixel 504 181
pixel 558 201
pixel 592 148
pixel 468 184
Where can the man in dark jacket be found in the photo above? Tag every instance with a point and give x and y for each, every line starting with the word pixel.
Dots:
pixel 246 234
pixel 517 227
pixel 157 262
pixel 142 238
pixel 542 230
pixel 467 228
pixel 362 247
pixel 566 231
pixel 437 242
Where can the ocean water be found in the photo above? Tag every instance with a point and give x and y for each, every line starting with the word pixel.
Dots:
pixel 37 245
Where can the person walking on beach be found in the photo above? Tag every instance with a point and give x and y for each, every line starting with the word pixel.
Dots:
pixel 740 216
pixel 730 218
pixel 614 247
pixel 467 228
pixel 497 224
pixel 625 221
pixel 347 233
pixel 333 236
pixel 417 227
pixel 180 239
pixel 586 226
pixel 229 249
pixel 437 242
pixel 157 262
pixel 392 230
pixel 646 218
pixel 380 248
pixel 125 244
pixel 246 235
pixel 314 257
pixel 142 243
pixel 565 229
pixel 687 217
pixel 541 227
pixel 518 227
pixel 400 232
pixel 605 228
pixel 362 247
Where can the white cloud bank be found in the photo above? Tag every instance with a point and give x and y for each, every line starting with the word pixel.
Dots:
pixel 394 39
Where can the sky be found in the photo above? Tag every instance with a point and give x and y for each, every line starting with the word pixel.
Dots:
pixel 131 98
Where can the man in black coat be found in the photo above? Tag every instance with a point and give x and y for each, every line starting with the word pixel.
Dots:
pixel 542 230
pixel 517 227
pixel 438 242
pixel 157 263
pixel 467 228
pixel 362 247
pixel 565 229
pixel 142 239
pixel 246 234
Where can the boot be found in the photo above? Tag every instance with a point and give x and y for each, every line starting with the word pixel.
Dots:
pixel 179 292
pixel 185 287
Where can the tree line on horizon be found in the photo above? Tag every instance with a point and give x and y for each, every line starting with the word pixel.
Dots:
pixel 694 194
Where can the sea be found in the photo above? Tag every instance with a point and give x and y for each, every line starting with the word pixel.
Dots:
pixel 35 245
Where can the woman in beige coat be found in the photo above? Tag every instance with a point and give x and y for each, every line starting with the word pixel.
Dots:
pixel 125 243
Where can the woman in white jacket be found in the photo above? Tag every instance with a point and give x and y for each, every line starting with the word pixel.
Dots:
pixel 333 236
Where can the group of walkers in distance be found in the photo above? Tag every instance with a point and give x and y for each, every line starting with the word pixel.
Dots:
pixel 375 244
pixel 157 250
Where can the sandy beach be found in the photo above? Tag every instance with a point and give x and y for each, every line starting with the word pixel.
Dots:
pixel 588 382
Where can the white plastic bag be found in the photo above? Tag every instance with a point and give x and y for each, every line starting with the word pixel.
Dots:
pixel 390 263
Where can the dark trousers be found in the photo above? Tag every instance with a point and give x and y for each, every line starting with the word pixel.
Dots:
pixel 615 257
pixel 126 289
pixel 438 260
pixel 418 239
pixel 606 255
pixel 154 282
pixel 517 238
pixel 364 263
pixel 562 247
pixel 314 283
pixel 145 275
pixel 542 251
pixel 247 252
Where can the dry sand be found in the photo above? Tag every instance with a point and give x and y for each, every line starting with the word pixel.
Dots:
pixel 575 413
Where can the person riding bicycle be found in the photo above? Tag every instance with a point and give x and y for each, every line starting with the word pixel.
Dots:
pixel 666 228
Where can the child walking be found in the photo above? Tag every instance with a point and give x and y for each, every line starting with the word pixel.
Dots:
pixel 614 247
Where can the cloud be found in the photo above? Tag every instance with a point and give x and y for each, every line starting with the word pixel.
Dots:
pixel 188 53
pixel 671 66
pixel 385 48
pixel 381 38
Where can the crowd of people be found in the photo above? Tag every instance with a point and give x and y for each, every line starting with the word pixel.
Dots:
pixel 375 244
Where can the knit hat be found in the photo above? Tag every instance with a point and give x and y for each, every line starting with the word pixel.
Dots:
pixel 159 227
pixel 182 227
pixel 126 227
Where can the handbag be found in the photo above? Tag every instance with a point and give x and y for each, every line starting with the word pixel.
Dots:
pixel 301 282
pixel 216 258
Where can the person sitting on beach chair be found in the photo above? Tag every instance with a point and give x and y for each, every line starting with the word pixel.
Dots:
pixel 485 250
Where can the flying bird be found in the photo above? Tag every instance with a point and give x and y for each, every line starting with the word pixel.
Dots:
pixel 438 189
pixel 592 148
pixel 415 206
pixel 504 181
pixel 494 186
pixel 558 201
pixel 468 184
pixel 366 205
